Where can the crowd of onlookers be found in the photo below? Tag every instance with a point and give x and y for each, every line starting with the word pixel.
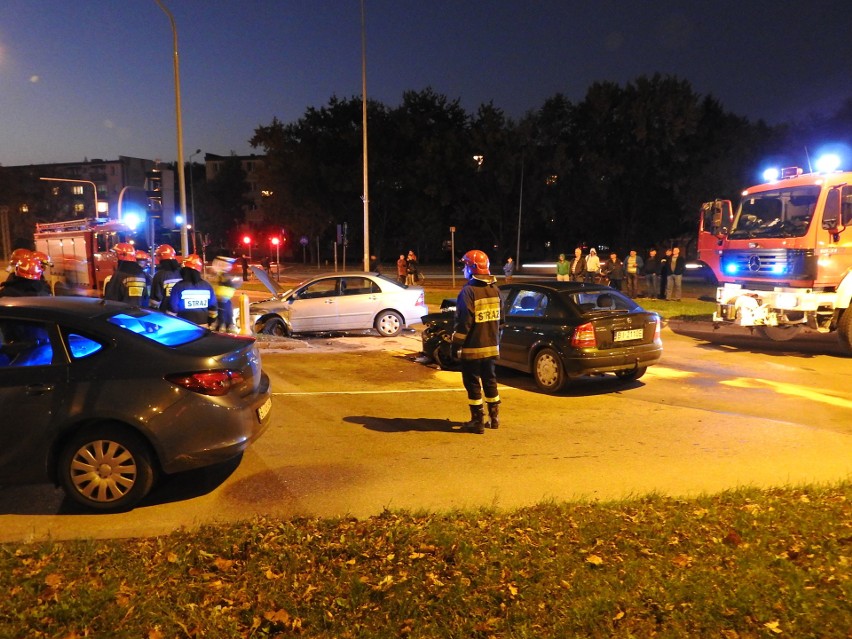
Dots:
pixel 652 276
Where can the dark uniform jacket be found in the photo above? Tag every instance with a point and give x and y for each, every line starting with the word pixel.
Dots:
pixel 193 298
pixel 477 320
pixel 130 283
pixel 167 275
pixel 17 286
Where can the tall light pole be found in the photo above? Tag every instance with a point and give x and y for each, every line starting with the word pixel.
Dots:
pixel 366 196
pixel 192 197
pixel 520 211
pixel 94 187
pixel 184 243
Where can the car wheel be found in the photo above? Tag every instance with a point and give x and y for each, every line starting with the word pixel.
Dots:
pixel 388 323
pixel 108 468
pixel 844 329
pixel 548 372
pixel 632 374
pixel 276 327
pixel 781 333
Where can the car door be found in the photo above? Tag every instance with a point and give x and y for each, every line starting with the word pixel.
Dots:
pixel 34 373
pixel 524 315
pixel 314 306
pixel 360 300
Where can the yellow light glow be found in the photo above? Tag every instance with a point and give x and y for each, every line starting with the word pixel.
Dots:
pixel 794 390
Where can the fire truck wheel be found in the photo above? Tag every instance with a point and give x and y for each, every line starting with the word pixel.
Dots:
pixel 844 329
pixel 781 333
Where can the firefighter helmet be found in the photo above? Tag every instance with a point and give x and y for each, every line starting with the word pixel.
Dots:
pixel 125 252
pixel 165 252
pixel 17 255
pixel 477 262
pixel 142 256
pixel 44 258
pixel 29 268
pixel 193 261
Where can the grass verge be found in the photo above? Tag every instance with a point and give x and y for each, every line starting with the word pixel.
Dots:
pixel 741 564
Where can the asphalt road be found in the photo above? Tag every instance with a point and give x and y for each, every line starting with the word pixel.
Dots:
pixel 359 426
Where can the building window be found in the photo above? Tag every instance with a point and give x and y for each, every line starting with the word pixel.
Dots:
pixel 77 189
pixel 79 208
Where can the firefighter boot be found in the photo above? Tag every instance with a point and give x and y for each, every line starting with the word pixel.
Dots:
pixel 494 415
pixel 477 422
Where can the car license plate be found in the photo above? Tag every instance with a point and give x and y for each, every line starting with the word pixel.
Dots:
pixel 263 411
pixel 626 336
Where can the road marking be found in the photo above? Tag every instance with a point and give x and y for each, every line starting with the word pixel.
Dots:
pixel 376 392
pixel 789 389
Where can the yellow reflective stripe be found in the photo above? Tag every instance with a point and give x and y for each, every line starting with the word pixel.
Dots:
pixel 486 309
pixel 474 402
pixel 492 400
pixel 480 352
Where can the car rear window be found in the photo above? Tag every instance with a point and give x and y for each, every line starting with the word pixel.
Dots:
pixel 597 301
pixel 159 327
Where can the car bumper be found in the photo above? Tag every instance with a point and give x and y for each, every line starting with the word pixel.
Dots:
pixel 596 362
pixel 204 432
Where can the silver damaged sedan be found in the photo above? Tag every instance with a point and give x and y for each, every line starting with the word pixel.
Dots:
pixel 338 302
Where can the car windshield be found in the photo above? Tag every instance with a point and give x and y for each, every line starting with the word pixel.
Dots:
pixel 601 301
pixel 785 212
pixel 159 327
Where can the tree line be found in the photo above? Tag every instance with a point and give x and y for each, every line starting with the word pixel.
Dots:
pixel 625 167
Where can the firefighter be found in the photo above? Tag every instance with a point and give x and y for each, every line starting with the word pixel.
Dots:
pixel 26 280
pixel 167 275
pixel 130 283
pixel 193 298
pixel 225 284
pixel 476 340
pixel 17 255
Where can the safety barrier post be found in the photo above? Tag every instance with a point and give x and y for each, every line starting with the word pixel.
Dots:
pixel 245 317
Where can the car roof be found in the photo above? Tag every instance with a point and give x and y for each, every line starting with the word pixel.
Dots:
pixel 558 286
pixel 69 306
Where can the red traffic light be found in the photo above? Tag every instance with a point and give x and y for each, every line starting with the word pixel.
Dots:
pixel 246 240
pixel 275 241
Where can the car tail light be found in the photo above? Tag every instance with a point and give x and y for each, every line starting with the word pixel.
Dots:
pixel 421 300
pixel 584 336
pixel 658 337
pixel 215 383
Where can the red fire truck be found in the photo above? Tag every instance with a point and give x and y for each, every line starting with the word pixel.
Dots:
pixel 80 253
pixel 783 259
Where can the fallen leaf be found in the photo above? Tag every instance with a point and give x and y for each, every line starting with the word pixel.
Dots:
pixel 773 626
pixel 594 560
pixel 223 564
pixel 53 580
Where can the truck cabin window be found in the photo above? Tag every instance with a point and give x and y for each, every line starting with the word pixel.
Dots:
pixel 777 213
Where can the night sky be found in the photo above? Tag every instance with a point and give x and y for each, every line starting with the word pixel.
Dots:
pixel 94 78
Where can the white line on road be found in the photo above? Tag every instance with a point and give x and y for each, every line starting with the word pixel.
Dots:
pixel 375 392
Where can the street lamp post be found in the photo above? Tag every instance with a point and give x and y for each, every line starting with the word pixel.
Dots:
pixel 184 243
pixel 366 196
pixel 192 198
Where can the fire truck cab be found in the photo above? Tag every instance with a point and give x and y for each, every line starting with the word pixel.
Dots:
pixel 785 263
pixel 80 253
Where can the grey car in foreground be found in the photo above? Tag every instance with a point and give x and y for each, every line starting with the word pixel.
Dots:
pixel 100 397
pixel 338 302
